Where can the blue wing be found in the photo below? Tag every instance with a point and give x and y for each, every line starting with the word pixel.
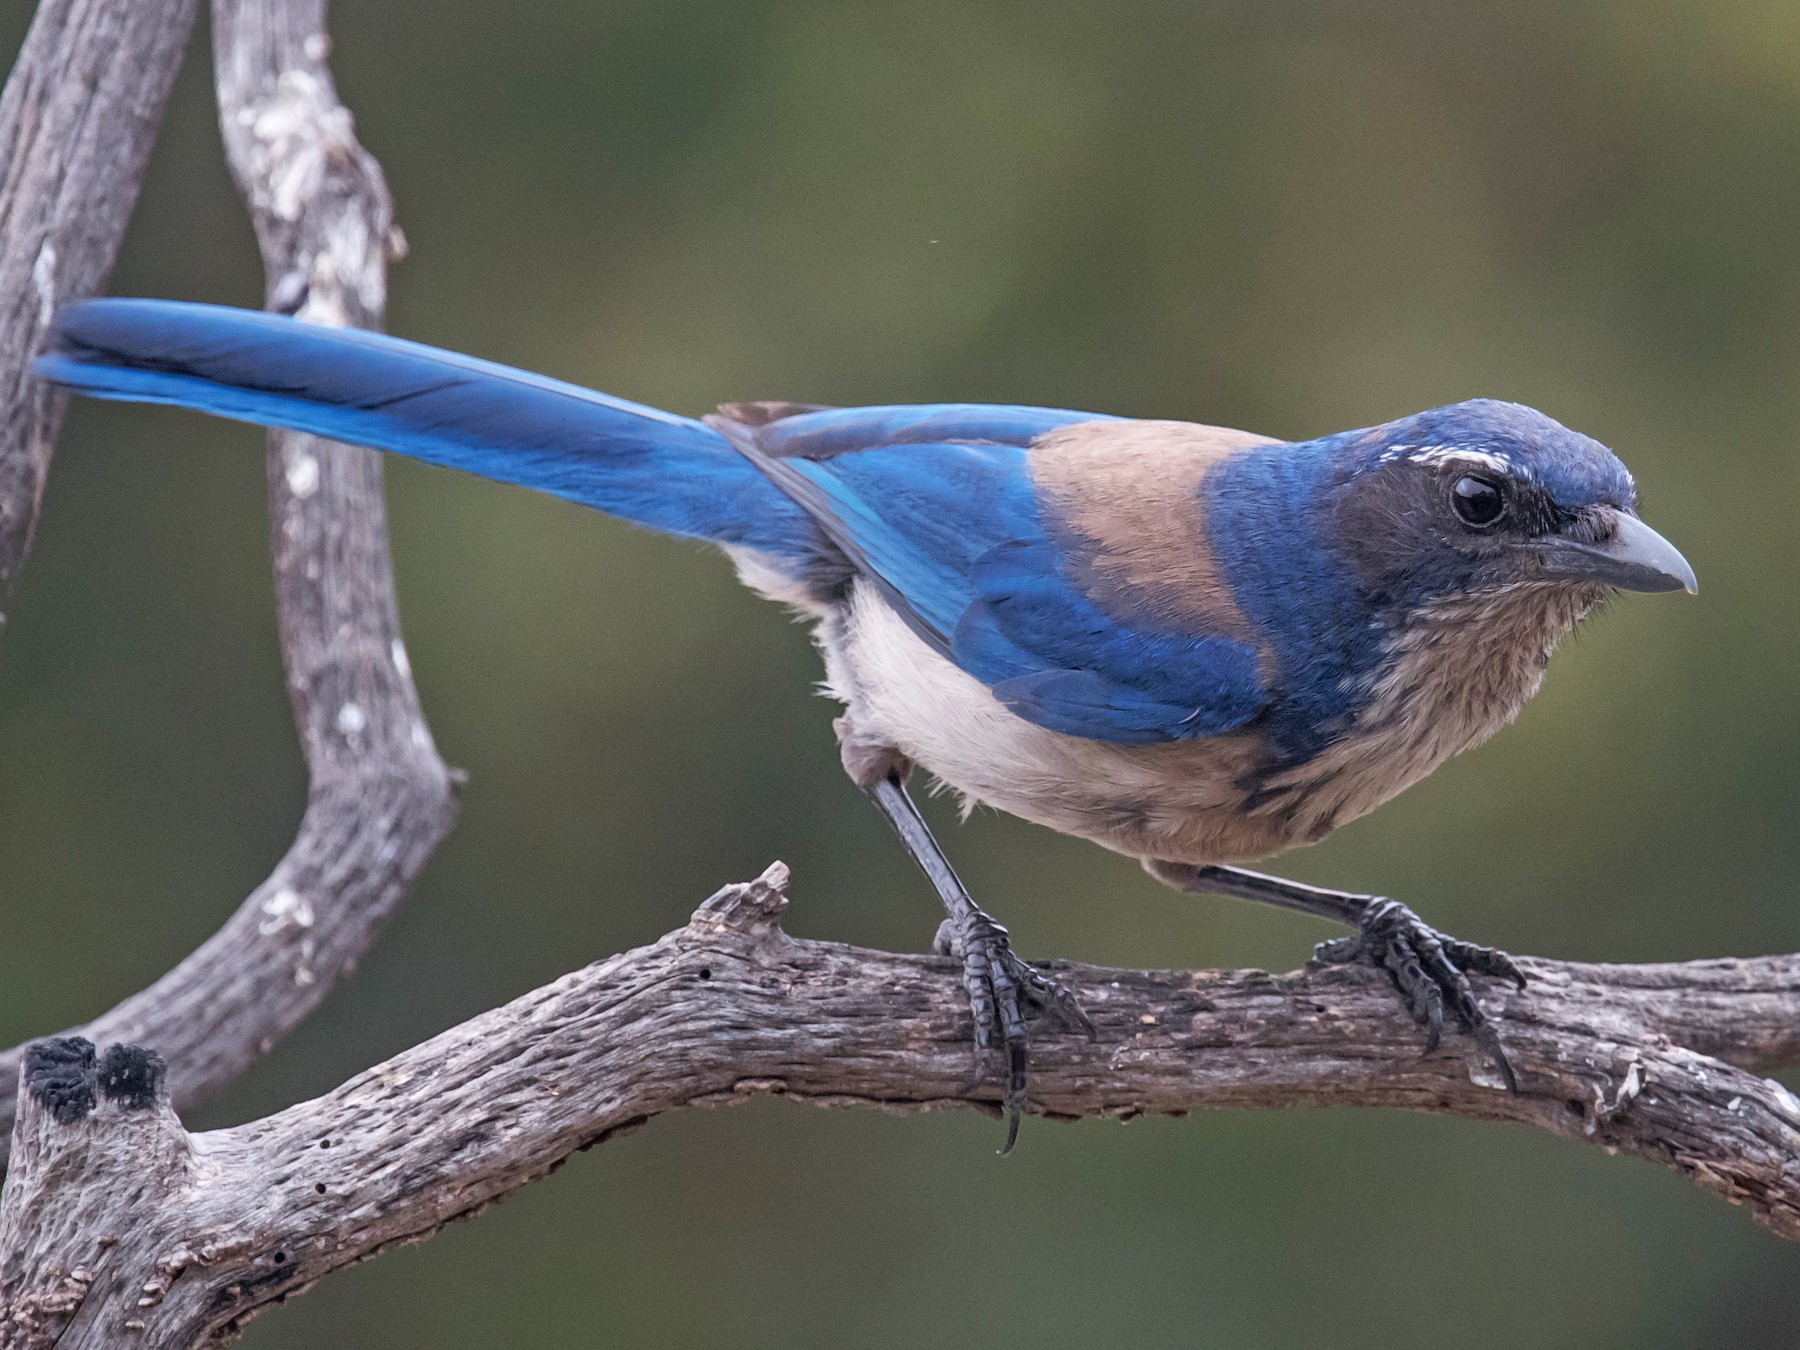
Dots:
pixel 935 504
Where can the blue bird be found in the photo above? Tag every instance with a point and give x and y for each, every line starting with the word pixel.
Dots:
pixel 1192 645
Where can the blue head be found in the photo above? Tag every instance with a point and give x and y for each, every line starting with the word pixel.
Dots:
pixel 1490 521
pixel 1485 498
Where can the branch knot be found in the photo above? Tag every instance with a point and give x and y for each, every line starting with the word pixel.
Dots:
pixel 745 909
pixel 1601 1111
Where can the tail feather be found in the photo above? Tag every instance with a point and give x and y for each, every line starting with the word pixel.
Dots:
pixel 668 472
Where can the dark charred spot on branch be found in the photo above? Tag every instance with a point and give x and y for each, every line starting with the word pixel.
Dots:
pixel 132 1076
pixel 59 1075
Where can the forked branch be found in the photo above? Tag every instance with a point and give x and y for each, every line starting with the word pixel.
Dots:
pixel 380 798
pixel 215 1226
pixel 118 1227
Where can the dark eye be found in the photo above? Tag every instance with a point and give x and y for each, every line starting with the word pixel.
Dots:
pixel 1478 501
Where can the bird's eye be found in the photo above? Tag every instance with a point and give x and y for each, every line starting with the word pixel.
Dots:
pixel 1478 501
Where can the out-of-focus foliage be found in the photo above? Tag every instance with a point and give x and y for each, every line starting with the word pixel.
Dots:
pixel 1288 216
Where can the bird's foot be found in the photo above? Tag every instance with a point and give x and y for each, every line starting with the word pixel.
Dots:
pixel 1431 970
pixel 1001 987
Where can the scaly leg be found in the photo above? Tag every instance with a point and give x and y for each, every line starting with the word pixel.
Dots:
pixel 999 984
pixel 1430 969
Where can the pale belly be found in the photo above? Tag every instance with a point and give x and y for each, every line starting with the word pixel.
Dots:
pixel 1183 800
pixel 1212 800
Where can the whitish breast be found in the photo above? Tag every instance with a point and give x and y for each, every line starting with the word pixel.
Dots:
pixel 1451 677
pixel 1447 685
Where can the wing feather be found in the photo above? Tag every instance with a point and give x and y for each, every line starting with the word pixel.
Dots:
pixel 952 533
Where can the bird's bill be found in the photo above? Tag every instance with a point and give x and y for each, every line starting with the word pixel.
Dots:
pixel 1636 558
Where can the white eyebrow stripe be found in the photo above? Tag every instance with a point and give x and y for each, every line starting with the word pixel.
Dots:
pixel 1450 454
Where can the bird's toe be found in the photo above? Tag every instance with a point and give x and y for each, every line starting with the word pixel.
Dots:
pixel 1001 989
pixel 1431 972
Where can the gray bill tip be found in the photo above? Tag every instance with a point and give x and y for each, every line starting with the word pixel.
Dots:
pixel 1652 561
pixel 1635 558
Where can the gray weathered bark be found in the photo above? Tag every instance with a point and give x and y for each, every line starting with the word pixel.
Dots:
pixel 181 1237
pixel 77 121
pixel 380 797
pixel 118 1227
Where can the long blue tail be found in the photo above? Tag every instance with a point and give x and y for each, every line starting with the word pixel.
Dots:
pixel 670 473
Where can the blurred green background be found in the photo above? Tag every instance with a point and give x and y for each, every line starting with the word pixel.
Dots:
pixel 1293 217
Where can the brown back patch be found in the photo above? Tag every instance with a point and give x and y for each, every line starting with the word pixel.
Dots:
pixel 1129 494
pixel 761 412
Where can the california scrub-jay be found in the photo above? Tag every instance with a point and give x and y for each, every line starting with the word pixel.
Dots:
pixel 1192 645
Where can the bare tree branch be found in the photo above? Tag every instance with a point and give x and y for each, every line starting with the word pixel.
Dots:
pixel 177 1238
pixel 77 121
pixel 119 1227
pixel 380 797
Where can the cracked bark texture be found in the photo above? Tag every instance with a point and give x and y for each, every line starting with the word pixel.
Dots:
pixel 219 1225
pixel 380 798
pixel 119 1227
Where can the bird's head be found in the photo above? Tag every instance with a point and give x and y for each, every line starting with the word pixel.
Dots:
pixel 1483 499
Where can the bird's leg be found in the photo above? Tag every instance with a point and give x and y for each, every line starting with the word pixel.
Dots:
pixel 1430 969
pixel 999 984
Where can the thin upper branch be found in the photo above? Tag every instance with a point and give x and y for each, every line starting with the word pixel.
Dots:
pixel 119 1227
pixel 380 798
pixel 77 121
pixel 729 1006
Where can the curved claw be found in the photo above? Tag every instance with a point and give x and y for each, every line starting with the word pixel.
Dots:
pixel 1487 1036
pixel 999 986
pixel 1431 972
pixel 1485 961
pixel 1434 1025
pixel 1046 994
pixel 1015 1096
pixel 1337 951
